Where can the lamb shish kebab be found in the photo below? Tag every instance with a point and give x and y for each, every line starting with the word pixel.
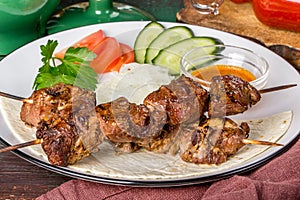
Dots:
pixel 63 121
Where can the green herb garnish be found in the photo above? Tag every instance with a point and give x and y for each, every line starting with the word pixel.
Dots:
pixel 73 69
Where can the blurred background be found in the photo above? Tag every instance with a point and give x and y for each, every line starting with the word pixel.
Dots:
pixel 166 11
pixel 32 18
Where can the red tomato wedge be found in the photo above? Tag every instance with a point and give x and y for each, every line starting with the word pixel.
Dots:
pixel 127 57
pixel 111 54
pixel 90 41
pixel 128 53
pixel 115 66
pixel 108 52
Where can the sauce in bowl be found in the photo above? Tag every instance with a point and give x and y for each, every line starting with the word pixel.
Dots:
pixel 206 73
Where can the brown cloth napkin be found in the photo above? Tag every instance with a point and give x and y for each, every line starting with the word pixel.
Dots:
pixel 279 179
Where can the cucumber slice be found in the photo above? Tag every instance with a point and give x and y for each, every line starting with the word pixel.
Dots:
pixel 144 38
pixel 166 38
pixel 170 56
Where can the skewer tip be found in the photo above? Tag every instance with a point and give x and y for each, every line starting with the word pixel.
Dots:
pixel 258 142
pixel 18 146
pixel 3 94
pixel 273 89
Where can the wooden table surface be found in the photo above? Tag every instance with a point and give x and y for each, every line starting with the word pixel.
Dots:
pixel 20 179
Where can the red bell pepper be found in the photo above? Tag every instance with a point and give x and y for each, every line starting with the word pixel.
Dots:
pixel 283 14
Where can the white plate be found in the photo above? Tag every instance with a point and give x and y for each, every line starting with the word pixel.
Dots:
pixel 19 69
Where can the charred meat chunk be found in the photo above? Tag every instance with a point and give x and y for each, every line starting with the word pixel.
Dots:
pixel 69 140
pixel 61 143
pixel 230 95
pixel 214 141
pixel 172 139
pixel 66 120
pixel 183 100
pixel 66 141
pixel 57 101
pixel 122 121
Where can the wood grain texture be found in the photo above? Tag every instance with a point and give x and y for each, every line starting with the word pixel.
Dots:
pixel 20 179
pixel 240 19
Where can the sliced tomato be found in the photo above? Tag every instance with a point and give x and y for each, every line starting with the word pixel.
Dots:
pixel 108 52
pixel 127 57
pixel 128 53
pixel 116 65
pixel 111 54
pixel 90 41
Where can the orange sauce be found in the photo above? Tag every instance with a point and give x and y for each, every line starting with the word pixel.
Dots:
pixel 206 73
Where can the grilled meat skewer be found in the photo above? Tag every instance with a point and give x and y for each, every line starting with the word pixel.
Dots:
pixel 62 117
pixel 120 121
pixel 182 101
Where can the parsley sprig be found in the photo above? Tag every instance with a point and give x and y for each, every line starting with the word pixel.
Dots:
pixel 72 69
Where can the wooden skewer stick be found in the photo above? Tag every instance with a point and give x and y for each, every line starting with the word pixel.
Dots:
pixel 39 141
pixel 18 146
pixel 3 94
pixel 258 142
pixel 273 89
